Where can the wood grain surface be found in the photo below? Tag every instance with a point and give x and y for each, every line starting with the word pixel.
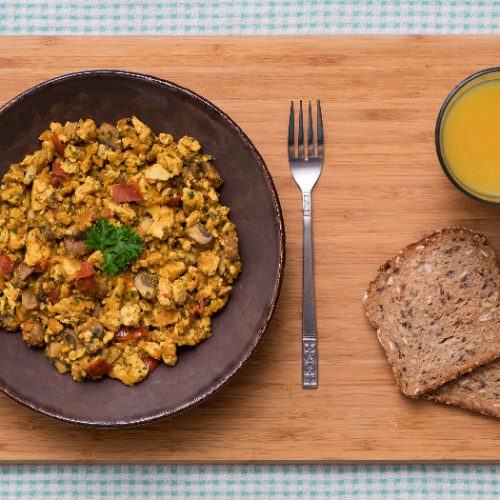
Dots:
pixel 381 188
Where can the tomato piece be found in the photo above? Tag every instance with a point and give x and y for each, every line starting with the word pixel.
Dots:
pixel 85 284
pixel 54 295
pixel 174 201
pixel 127 333
pixel 58 174
pixel 58 145
pixel 57 170
pixel 125 193
pixel 86 270
pixel 42 265
pixel 85 277
pixel 6 265
pixel 198 308
pixel 98 368
pixel 150 362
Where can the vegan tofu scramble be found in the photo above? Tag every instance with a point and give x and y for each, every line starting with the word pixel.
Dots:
pixel 114 248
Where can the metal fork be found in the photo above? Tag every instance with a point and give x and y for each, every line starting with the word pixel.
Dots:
pixel 306 170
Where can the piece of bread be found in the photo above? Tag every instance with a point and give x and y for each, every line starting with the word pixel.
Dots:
pixel 478 390
pixel 435 308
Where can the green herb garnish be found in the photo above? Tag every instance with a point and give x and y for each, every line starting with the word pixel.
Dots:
pixel 119 245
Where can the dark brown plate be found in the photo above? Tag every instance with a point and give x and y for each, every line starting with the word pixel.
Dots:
pixel 26 375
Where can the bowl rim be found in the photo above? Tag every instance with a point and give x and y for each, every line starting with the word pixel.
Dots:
pixel 219 382
pixel 437 130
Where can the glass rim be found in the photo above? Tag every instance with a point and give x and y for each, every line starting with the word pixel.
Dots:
pixel 437 134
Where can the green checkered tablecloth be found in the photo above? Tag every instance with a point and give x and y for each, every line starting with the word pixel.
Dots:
pixel 249 17
pixel 246 17
pixel 261 482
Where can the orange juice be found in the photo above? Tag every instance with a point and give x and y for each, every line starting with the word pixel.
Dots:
pixel 470 139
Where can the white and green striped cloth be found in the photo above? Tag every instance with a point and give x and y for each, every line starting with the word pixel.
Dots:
pixel 259 17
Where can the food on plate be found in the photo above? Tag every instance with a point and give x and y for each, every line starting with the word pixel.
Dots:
pixel 435 308
pixel 114 248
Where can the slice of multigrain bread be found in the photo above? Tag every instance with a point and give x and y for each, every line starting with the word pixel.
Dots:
pixel 477 391
pixel 435 308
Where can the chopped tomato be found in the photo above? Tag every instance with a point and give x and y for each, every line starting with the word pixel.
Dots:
pixel 127 192
pixel 98 368
pixel 85 284
pixel 6 265
pixel 86 270
pixel 150 362
pixel 57 170
pixel 131 333
pixel 58 174
pixel 58 145
pixel 54 295
pixel 143 254
pixel 42 265
pixel 198 308
pixel 174 201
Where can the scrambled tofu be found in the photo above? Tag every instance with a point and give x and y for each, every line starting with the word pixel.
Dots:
pixel 60 292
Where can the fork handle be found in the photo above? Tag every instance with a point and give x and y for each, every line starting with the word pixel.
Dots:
pixel 309 336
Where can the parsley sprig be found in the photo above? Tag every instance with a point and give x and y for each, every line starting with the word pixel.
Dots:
pixel 120 245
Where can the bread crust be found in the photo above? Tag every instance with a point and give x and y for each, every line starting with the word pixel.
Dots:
pixel 477 391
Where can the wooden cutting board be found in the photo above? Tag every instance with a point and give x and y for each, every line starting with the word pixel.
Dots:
pixel 381 188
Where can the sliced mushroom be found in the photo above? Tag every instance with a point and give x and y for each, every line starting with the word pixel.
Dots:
pixel 108 135
pixel 146 284
pixel 98 331
pixel 22 271
pixel 49 234
pixel 94 327
pixel 71 339
pixel 101 288
pixel 76 248
pixel 188 172
pixel 28 299
pixel 231 246
pixel 199 234
pixel 212 175
pixel 33 333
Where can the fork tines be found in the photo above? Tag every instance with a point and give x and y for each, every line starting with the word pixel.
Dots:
pixel 309 144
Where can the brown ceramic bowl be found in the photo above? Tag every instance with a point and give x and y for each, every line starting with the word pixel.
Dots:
pixel 26 375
